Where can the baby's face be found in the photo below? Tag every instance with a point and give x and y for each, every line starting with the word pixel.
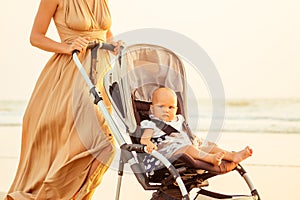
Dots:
pixel 164 108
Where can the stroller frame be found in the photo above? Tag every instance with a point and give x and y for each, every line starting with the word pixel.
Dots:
pixel 175 175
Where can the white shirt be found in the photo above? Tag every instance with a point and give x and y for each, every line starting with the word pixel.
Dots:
pixel 176 123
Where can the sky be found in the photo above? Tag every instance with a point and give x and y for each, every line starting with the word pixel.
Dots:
pixel 254 45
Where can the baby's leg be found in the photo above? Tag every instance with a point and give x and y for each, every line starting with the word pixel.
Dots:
pixel 195 153
pixel 239 156
pixel 236 157
pixel 214 159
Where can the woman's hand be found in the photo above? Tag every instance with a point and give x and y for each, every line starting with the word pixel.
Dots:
pixel 110 40
pixel 117 45
pixel 79 44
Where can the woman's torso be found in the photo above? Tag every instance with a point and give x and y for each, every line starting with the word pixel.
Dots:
pixel 75 18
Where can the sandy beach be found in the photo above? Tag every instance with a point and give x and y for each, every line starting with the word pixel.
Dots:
pixel 274 167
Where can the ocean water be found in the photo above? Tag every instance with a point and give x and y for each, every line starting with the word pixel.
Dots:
pixel 253 115
pixel 274 116
pixel 248 115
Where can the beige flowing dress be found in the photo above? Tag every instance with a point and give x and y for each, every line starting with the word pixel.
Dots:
pixel 66 144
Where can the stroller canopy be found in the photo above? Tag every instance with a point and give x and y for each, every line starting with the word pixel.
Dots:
pixel 142 69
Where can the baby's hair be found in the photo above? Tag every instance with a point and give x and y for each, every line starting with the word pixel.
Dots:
pixel 164 90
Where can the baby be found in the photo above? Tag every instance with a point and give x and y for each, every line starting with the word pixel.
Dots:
pixel 164 108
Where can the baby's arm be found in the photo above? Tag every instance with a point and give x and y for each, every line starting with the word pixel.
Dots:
pixel 146 139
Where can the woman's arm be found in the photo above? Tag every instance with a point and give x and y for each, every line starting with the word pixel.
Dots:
pixel 46 11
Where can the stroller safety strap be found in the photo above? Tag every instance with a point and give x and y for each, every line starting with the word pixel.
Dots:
pixel 168 129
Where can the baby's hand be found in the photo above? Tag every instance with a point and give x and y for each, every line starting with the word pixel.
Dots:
pixel 151 147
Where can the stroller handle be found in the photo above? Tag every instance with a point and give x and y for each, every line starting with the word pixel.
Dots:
pixel 105 46
pixel 139 148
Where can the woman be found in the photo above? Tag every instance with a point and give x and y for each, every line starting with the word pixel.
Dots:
pixel 66 145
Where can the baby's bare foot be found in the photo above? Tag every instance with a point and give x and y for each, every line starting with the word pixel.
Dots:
pixel 242 155
pixel 217 158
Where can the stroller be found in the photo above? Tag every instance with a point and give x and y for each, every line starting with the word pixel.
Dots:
pixel 138 71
